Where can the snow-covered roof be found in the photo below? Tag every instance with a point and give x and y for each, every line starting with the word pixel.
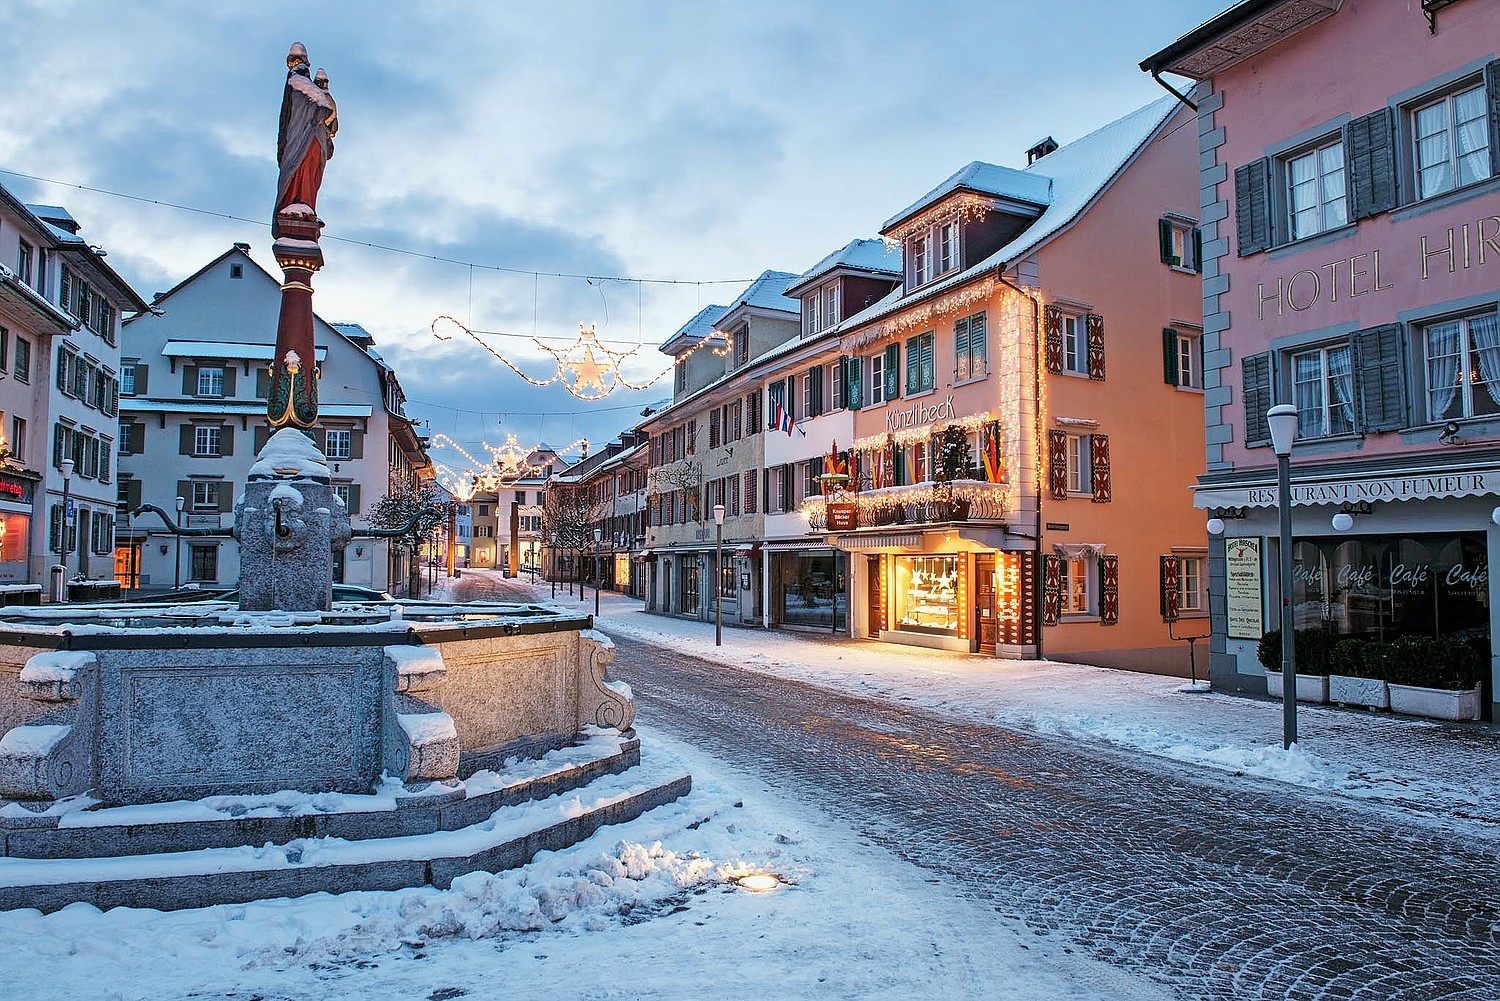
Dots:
pixel 987 179
pixel 236 350
pixel 1079 172
pixel 766 293
pixel 875 255
pixel 139 405
pixel 700 326
pixel 62 236
pixel 54 214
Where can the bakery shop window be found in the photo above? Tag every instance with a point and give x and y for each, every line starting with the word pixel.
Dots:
pixel 927 598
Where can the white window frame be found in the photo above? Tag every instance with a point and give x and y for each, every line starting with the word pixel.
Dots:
pixel 1189 359
pixel 208 440
pixel 1320 423
pixel 345 439
pixel 205 497
pixel 342 491
pixel 1330 211
pixel 127 378
pixel 946 242
pixel 1080 453
pixel 1075 600
pixel 876 364
pixel 211 381
pixel 1075 344
pixel 830 311
pixel 1192 583
pixel 919 258
pixel 812 312
pixel 1450 178
pixel 1469 372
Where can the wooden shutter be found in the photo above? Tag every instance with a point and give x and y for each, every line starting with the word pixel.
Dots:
pixel 142 379
pixel 1094 327
pixel 356 443
pixel 1169 356
pixel 1255 373
pixel 190 380
pixel 714 428
pixel 1028 624
pixel 692 438
pixel 1099 447
pixel 226 439
pixel 262 382
pixel 261 436
pixel 1371 145
pixel 58 447
pixel 132 494
pixel 1164 236
pixel 1252 206
pixel 185 439
pixel 1171 576
pixel 1051 590
pixel 62 369
pixel 892 371
pixel 353 499
pixel 1057 448
pixel 749 491
pixel 856 386
pixel 54 522
pixel 226 496
pixel 1377 361
pixel 1054 332
pixel 1492 89
pixel 1109 590
pixel 815 377
pixel 185 491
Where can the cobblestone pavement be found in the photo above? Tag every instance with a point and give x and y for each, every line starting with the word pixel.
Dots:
pixel 1219 886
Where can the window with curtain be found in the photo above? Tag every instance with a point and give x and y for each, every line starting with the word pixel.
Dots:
pixel 1317 194
pixel 1463 367
pixel 1452 142
pixel 1323 388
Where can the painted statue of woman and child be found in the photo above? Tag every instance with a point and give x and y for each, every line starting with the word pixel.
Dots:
pixel 309 121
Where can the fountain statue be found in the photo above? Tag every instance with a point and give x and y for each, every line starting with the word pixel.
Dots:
pixel 416 714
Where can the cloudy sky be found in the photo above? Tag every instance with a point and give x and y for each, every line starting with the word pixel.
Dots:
pixel 485 148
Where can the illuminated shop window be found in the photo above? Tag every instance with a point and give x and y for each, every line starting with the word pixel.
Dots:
pixel 926 590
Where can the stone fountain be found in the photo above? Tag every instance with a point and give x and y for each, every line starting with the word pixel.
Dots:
pixel 235 744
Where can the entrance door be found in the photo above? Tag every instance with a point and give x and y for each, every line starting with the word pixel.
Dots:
pixel 875 611
pixel 984 601
pixel 128 565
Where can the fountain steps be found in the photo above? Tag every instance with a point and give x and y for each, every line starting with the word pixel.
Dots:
pixel 425 840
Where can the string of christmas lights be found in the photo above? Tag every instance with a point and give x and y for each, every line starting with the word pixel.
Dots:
pixel 508 463
pixel 922 315
pixel 595 370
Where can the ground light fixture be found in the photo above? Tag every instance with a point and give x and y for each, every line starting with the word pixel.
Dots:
pixel 758 882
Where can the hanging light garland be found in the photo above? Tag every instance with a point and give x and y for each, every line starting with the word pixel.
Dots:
pixel 922 315
pixel 508 463
pixel 586 368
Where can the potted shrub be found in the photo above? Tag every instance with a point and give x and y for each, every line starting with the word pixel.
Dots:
pixel 1432 676
pixel 1311 648
pixel 1354 675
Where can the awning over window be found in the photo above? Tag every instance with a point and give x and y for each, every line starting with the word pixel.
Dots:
pixel 1472 480
pixel 644 554
pixel 747 550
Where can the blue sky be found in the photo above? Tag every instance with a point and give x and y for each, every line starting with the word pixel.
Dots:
pixel 698 142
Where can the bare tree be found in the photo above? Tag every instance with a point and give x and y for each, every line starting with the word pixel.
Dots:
pixel 419 509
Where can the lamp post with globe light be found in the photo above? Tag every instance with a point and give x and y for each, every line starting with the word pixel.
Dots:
pixel 598 538
pixel 718 575
pixel 1283 424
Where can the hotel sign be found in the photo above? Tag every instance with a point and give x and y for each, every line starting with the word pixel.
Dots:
pixel 1242 588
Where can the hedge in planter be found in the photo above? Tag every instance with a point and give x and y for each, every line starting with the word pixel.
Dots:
pixel 1311 647
pixel 1354 675
pixel 1443 662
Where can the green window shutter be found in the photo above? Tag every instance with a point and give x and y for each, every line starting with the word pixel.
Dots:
pixel 1377 365
pixel 1370 143
pixel 856 383
pixel 1164 235
pixel 62 369
pixel 1169 356
pixel 913 364
pixel 892 371
pixel 1252 206
pixel 1255 373
pixel 979 345
pixel 815 376
pixel 1492 89
pixel 1197 250
pixel 961 350
pixel 226 439
pixel 190 380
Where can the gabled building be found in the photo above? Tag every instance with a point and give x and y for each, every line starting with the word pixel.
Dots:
pixel 194 378
pixel 1025 409
pixel 1351 195
pixel 60 314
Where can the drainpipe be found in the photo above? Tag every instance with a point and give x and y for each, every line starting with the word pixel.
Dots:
pixel 1156 75
pixel 1036 396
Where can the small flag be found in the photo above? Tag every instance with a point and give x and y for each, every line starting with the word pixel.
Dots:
pixel 994 463
pixel 784 420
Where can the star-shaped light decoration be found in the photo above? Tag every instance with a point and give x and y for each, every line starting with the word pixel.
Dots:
pixel 585 368
pixel 508 463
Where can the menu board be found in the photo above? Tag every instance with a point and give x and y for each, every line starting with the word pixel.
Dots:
pixel 1242 588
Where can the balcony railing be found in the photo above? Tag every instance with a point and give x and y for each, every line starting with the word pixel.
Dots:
pixel 918 504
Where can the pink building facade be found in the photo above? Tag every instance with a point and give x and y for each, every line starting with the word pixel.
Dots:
pixel 1350 182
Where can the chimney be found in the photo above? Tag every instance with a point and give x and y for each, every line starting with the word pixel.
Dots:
pixel 1040 150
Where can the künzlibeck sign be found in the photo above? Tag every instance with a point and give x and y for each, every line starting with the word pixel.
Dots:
pixel 1382 488
pixel 920 413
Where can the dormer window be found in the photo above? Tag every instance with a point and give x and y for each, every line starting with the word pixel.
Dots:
pixel 932 253
pixel 820 309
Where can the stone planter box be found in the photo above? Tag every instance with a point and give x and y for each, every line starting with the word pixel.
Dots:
pixel 1310 687
pixel 1435 703
pixel 1372 693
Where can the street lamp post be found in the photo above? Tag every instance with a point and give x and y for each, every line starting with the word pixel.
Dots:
pixel 62 543
pixel 1283 423
pixel 718 575
pixel 553 568
pixel 598 538
pixel 177 568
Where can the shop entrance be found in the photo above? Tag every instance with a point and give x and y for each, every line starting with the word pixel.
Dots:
pixel 875 619
pixel 128 565
pixel 985 610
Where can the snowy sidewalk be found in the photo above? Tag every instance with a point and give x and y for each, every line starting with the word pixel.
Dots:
pixel 1431 768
